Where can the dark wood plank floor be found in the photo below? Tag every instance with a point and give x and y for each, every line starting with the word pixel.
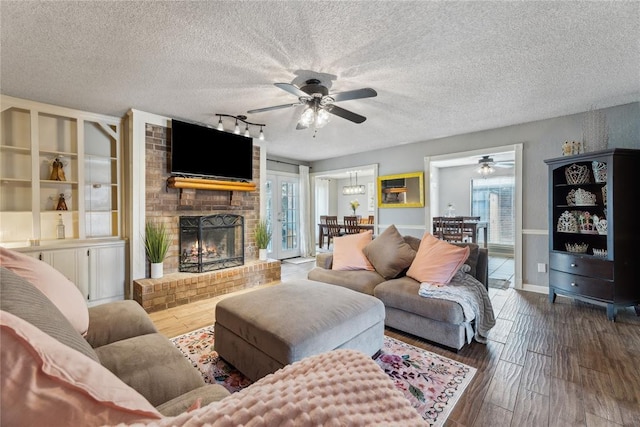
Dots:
pixel 561 364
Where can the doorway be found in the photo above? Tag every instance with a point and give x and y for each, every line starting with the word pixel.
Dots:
pixel 438 171
pixel 282 207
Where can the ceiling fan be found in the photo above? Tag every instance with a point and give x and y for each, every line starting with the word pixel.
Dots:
pixel 320 103
pixel 486 164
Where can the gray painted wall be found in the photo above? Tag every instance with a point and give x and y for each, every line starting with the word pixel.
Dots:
pixel 541 140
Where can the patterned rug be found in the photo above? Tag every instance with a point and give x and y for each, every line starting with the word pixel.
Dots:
pixel 432 383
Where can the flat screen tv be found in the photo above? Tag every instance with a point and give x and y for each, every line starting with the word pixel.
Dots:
pixel 200 151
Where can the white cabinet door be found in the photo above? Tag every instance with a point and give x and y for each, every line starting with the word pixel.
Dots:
pixel 106 274
pixel 72 263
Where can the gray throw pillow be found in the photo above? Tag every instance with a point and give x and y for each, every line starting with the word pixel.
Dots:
pixel 389 253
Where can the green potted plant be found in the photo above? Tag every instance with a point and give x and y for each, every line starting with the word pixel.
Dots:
pixel 157 240
pixel 263 237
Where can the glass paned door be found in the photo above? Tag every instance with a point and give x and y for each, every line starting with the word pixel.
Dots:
pixel 492 199
pixel 282 207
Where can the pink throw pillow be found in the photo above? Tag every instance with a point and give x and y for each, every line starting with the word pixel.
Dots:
pixel 347 252
pixel 44 381
pixel 437 261
pixel 64 294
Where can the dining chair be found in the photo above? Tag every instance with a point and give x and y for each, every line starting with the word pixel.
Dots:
pixel 351 224
pixel 333 228
pixel 323 230
pixel 450 229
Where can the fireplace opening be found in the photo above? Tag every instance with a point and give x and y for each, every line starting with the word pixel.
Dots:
pixel 211 242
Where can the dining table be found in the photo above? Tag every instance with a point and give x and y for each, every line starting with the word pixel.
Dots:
pixel 472 225
pixel 322 230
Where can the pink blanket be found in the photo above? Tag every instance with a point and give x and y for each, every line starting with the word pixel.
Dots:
pixel 338 388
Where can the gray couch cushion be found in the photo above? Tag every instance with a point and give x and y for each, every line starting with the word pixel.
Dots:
pixel 472 260
pixel 402 294
pixel 22 299
pixel 117 320
pixel 358 280
pixel 152 365
pixel 389 253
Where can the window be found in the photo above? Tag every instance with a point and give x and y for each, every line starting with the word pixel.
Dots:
pixel 492 199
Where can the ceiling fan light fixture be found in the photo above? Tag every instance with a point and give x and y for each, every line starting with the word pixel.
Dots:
pixel 246 131
pixel 486 169
pixel 261 137
pixel 307 117
pixel 220 126
pixel 236 130
pixel 322 118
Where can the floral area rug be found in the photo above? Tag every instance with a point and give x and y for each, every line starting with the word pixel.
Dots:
pixel 432 383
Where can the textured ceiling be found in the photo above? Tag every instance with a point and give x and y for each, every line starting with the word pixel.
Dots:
pixel 440 68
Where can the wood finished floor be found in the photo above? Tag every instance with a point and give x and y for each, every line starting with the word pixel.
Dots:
pixel 556 365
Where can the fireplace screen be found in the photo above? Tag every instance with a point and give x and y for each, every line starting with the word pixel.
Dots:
pixel 211 242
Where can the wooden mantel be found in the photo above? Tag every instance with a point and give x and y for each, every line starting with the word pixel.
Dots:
pixel 209 184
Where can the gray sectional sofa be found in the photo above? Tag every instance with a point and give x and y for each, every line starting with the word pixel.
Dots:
pixel 437 320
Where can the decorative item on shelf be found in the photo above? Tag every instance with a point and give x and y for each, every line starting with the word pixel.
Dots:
pixel 567 223
pixel 263 237
pixel 354 205
pixel 599 171
pixel 600 252
pixel 601 224
pixel 604 195
pixel 571 148
pixel 62 204
pixel 595 131
pixel 60 228
pixel 586 224
pixel 579 248
pixel 577 174
pixel 584 198
pixel 57 170
pixel 157 240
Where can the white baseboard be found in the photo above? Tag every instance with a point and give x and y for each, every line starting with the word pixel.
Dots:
pixel 535 288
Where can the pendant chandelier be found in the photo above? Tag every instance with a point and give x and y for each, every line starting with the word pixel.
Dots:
pixel 351 189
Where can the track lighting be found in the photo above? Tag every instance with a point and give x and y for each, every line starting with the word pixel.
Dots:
pixel 242 119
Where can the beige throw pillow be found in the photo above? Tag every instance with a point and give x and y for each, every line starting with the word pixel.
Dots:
pixel 389 253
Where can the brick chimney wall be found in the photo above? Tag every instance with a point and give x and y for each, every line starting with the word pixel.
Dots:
pixel 168 204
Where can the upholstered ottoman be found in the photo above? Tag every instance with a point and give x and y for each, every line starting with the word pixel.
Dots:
pixel 261 331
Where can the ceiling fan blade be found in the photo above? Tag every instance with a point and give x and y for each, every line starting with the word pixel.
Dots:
pixel 353 94
pixel 301 127
pixel 346 114
pixel 275 107
pixel 292 89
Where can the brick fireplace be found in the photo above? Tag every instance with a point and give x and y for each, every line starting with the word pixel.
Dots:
pixel 169 204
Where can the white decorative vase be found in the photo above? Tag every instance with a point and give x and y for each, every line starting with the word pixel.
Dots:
pixel 262 254
pixel 156 270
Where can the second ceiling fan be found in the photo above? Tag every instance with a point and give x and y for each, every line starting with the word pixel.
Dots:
pixel 319 103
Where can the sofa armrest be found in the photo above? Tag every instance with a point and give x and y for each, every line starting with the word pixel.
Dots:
pixel 116 321
pixel 482 267
pixel 324 260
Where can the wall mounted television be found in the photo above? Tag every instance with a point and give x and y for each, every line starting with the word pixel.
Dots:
pixel 204 152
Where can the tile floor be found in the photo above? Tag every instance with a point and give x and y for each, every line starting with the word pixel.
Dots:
pixel 501 268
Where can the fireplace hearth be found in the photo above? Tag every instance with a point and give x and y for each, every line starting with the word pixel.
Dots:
pixel 211 242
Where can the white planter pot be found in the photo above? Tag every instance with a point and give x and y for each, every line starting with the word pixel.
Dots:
pixel 262 254
pixel 157 270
